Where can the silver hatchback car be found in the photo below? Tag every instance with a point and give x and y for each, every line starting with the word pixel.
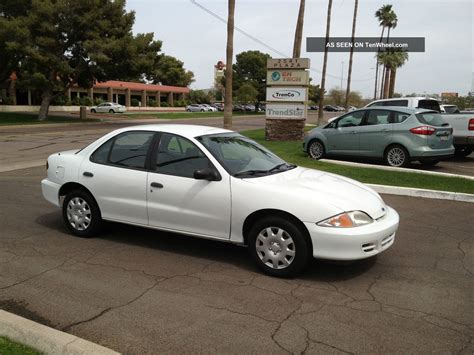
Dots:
pixel 398 135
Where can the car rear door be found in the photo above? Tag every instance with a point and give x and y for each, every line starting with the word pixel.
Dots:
pixel 116 175
pixel 375 133
pixel 179 202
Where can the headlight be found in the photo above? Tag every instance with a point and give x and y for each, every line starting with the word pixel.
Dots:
pixel 347 220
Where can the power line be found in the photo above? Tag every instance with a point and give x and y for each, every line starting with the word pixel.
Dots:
pixel 255 39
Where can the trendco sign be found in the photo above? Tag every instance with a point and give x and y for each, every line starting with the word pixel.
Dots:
pixel 296 94
pixel 287 77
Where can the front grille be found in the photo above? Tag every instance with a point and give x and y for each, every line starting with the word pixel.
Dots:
pixel 386 241
pixel 368 247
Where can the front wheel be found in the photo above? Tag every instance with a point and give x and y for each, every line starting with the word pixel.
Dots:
pixel 397 156
pixel 279 247
pixel 316 150
pixel 111 111
pixel 81 214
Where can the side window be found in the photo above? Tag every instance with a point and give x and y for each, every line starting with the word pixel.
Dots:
pixel 130 149
pixel 402 103
pixel 378 103
pixel 399 117
pixel 179 156
pixel 102 153
pixel 352 119
pixel 376 117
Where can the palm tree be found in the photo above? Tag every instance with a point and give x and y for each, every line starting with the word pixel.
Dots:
pixel 349 75
pixel 391 22
pixel 299 31
pixel 325 62
pixel 383 16
pixel 398 59
pixel 228 73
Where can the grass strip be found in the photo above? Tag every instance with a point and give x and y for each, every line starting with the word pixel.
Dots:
pixel 12 348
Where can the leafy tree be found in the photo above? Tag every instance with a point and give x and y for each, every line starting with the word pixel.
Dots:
pixel 168 70
pixel 247 94
pixel 251 68
pixel 314 92
pixel 199 97
pixel 66 42
pixel 338 97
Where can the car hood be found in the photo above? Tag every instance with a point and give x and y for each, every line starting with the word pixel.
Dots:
pixel 338 191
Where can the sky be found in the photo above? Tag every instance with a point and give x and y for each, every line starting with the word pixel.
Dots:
pixel 199 39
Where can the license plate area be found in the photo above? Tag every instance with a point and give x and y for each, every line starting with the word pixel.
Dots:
pixel 443 138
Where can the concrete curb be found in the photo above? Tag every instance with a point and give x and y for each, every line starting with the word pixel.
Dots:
pixel 25 165
pixel 389 168
pixel 45 339
pixel 412 192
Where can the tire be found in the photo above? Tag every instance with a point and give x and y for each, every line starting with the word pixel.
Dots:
pixel 271 232
pixel 316 149
pixel 93 111
pixel 81 214
pixel 397 156
pixel 111 111
pixel 202 110
pixel 462 151
pixel 188 110
pixel 429 162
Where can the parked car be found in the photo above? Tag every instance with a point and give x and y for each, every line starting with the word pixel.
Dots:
pixel 462 123
pixel 238 108
pixel 313 108
pixel 209 108
pixel 249 108
pixel 396 134
pixel 449 109
pixel 218 106
pixel 330 108
pixel 195 108
pixel 109 107
pixel 214 183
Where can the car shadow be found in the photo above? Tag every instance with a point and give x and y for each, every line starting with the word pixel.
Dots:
pixel 213 250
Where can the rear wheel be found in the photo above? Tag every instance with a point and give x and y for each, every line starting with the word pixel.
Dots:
pixel 462 151
pixel 316 149
pixel 93 111
pixel 81 214
pixel 279 247
pixel 397 156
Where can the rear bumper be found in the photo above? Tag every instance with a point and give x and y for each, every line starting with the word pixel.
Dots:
pixel 432 154
pixel 50 191
pixel 354 243
pixel 464 141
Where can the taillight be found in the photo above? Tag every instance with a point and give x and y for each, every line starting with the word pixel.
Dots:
pixel 471 124
pixel 423 130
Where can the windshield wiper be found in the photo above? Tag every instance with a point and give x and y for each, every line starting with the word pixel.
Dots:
pixel 250 173
pixel 279 166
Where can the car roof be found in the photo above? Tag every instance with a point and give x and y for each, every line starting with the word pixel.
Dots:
pixel 185 130
pixel 408 110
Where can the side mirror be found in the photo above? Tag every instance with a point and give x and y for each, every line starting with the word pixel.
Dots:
pixel 209 174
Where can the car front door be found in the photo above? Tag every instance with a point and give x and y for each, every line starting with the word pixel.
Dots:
pixel 375 133
pixel 346 139
pixel 116 176
pixel 103 108
pixel 179 202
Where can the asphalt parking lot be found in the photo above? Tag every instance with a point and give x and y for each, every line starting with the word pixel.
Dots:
pixel 141 291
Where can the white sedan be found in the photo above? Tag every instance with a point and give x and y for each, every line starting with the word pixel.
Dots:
pixel 214 183
pixel 108 107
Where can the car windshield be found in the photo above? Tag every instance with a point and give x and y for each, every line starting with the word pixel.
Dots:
pixel 431 118
pixel 242 157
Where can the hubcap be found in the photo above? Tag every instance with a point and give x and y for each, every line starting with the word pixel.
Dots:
pixel 396 157
pixel 78 213
pixel 316 150
pixel 275 248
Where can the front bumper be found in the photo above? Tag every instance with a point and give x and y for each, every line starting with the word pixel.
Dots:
pixel 354 243
pixel 50 191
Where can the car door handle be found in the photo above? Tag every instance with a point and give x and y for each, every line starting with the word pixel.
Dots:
pixel 88 174
pixel 157 185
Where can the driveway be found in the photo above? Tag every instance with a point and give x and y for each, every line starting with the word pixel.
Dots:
pixel 140 291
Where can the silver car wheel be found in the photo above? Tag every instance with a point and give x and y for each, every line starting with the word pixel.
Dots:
pixel 79 213
pixel 275 248
pixel 316 150
pixel 396 157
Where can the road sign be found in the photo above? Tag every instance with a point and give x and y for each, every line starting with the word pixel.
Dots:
pixel 285 110
pixel 286 94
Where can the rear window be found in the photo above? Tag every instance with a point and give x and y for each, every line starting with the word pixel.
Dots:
pixel 431 118
pixel 429 105
pixel 402 103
